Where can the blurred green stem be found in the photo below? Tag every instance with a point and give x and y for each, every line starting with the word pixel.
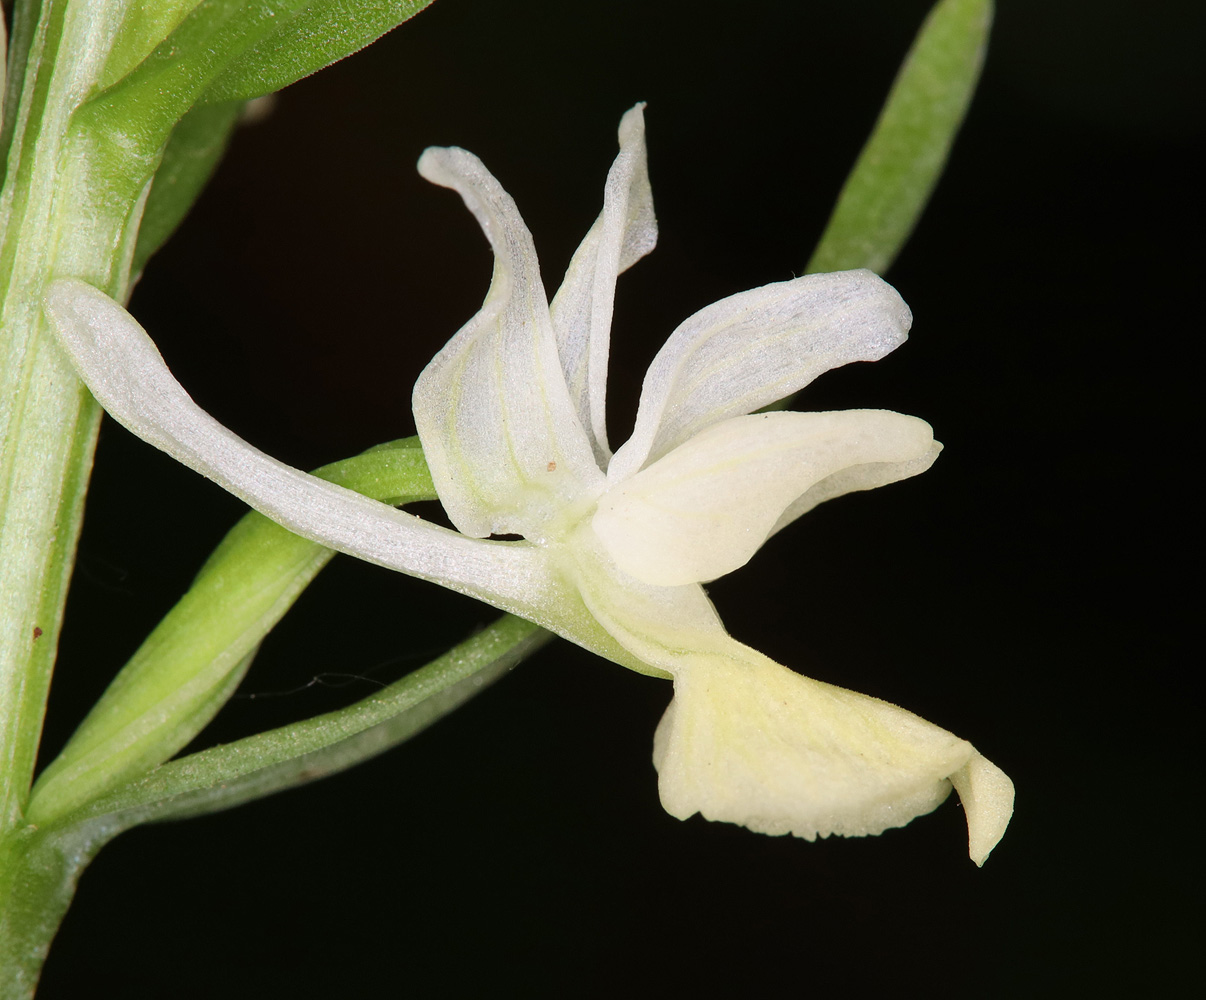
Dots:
pixel 896 172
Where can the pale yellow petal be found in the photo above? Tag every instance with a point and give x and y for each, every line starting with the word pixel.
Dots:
pixel 987 796
pixel 704 509
pixel 748 741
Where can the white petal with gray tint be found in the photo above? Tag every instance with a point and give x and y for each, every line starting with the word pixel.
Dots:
pixel 501 435
pixel 751 349
pixel 510 415
pixel 126 373
pixel 625 231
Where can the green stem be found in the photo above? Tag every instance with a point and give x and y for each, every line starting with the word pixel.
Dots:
pixel 251 768
pixel 48 422
pixel 38 874
pixel 896 172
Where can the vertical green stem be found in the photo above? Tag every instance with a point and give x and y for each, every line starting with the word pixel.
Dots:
pixel 55 223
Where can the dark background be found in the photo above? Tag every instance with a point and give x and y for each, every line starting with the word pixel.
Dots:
pixel 1024 593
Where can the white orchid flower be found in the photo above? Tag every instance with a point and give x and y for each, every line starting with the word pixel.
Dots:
pixel 615 547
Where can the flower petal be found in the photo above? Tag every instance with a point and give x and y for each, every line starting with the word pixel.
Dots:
pixel 642 618
pixel 753 348
pixel 624 232
pixel 987 796
pixel 854 479
pixel 121 366
pixel 501 435
pixel 747 741
pixel 705 508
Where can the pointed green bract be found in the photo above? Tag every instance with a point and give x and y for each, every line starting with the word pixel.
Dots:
pixel 897 169
pixel 219 51
pixel 250 47
pixel 316 35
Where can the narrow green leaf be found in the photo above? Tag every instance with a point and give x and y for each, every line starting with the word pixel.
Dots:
pixel 895 174
pixel 251 768
pixel 119 135
pixel 133 117
pixel 248 47
pixel 191 663
pixel 192 153
pixel 315 36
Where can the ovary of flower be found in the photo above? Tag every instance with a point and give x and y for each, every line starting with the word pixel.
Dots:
pixel 615 547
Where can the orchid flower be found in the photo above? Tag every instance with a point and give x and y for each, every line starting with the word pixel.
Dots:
pixel 614 547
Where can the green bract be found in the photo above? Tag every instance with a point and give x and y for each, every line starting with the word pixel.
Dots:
pixel 614 547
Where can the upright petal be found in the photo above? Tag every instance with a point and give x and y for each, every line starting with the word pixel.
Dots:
pixel 623 233
pixel 753 348
pixel 501 435
pixel 121 366
pixel 705 508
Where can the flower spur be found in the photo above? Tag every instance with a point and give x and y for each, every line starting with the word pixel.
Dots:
pixel 615 547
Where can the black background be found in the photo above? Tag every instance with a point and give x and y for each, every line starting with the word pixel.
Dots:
pixel 1025 593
